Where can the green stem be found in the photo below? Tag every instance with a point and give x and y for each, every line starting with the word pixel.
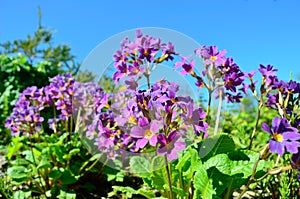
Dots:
pixel 218 113
pixel 250 179
pixel 208 106
pixel 169 178
pixel 35 164
pixel 256 124
pixel 54 113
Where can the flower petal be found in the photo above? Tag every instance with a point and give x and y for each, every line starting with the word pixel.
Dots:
pixel 162 151
pixel 153 140
pixel 173 155
pixel 266 128
pixel 291 135
pixel 292 146
pixel 143 122
pixel 154 126
pixel 179 146
pixel 161 139
pixel 276 147
pixel 137 132
pixel 275 123
pixel 141 143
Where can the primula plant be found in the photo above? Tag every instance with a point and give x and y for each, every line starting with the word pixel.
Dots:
pixel 74 139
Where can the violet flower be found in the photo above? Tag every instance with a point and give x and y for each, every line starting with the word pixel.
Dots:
pixel 284 137
pixel 170 145
pixel 145 132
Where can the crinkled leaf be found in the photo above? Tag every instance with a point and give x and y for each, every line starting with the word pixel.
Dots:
pixel 140 166
pixel 203 184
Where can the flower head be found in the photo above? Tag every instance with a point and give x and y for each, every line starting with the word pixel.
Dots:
pixel 145 132
pixel 284 137
pixel 170 145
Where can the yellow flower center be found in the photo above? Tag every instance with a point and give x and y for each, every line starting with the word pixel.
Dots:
pixel 278 137
pixel 146 52
pixel 213 58
pixel 148 134
pixel 112 136
pixel 132 119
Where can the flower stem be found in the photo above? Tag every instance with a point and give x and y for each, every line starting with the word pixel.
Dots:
pixel 169 178
pixel 277 160
pixel 208 106
pixel 35 164
pixel 251 178
pixel 256 124
pixel 148 81
pixel 218 113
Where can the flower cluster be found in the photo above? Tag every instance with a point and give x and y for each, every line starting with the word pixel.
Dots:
pixel 140 56
pixel 153 119
pixel 218 70
pixel 284 95
pixel 26 116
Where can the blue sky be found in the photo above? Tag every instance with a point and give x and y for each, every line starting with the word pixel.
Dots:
pixel 252 31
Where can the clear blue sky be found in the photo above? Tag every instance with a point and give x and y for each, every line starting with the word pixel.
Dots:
pixel 252 31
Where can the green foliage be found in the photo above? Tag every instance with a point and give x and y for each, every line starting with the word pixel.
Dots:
pixel 213 173
pixel 17 74
pixel 40 47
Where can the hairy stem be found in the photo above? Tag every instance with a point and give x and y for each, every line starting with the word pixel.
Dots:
pixel 250 179
pixel 208 106
pixel 35 164
pixel 169 178
pixel 256 124
pixel 218 113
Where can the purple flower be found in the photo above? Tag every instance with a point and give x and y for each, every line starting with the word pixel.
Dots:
pixel 131 84
pixel 170 145
pixel 194 116
pixel 210 54
pixel 232 98
pixel 233 80
pixel 187 68
pixel 122 71
pixel 146 132
pixel 267 71
pixel 284 137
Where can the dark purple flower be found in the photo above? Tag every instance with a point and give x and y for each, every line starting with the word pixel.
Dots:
pixel 284 137
pixel 170 145
pixel 187 67
pixel 267 71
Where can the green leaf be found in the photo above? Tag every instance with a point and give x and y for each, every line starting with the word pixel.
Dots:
pixel 128 191
pixel 18 173
pixel 203 184
pixel 145 192
pixel 55 173
pixel 176 190
pixel 140 166
pixel 216 145
pixel 158 162
pixel 221 162
pixel 68 178
pixel 13 147
pixel 66 195
pixel 245 166
pixel 21 194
